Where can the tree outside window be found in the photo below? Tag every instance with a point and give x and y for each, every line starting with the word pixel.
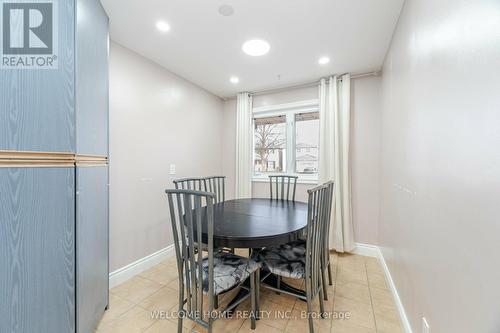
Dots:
pixel 270 144
pixel 287 142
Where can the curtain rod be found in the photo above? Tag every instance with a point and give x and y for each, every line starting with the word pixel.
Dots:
pixel 307 84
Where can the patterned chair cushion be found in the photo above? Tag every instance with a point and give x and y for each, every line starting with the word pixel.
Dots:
pixel 302 242
pixel 229 271
pixel 286 260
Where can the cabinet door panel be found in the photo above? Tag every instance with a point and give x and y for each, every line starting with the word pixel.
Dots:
pixel 37 258
pixel 92 78
pixel 37 106
pixel 91 246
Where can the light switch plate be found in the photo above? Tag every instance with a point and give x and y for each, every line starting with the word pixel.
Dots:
pixel 172 169
pixel 425 326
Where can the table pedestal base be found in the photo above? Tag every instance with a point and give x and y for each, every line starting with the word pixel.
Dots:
pixel 270 280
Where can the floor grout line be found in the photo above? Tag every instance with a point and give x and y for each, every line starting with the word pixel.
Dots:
pixel 334 289
pixel 371 297
pixel 243 325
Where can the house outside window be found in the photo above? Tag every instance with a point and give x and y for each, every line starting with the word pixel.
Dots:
pixel 286 140
pixel 306 143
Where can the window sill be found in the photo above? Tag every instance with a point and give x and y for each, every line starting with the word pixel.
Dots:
pixel 299 181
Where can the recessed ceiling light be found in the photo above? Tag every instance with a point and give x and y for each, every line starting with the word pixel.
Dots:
pixel 226 10
pixel 234 79
pixel 162 26
pixel 323 60
pixel 256 47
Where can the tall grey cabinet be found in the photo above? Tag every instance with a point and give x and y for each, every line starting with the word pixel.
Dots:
pixel 54 176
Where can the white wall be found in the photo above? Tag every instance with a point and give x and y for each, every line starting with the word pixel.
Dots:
pixel 229 146
pixel 440 185
pixel 365 154
pixel 156 118
pixel 365 157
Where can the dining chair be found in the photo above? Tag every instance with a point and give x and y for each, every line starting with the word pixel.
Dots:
pixel 281 182
pixel 217 185
pixel 214 184
pixel 193 183
pixel 283 185
pixel 298 261
pixel 325 255
pixel 325 258
pixel 199 275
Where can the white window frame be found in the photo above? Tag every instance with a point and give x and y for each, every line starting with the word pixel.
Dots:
pixel 289 110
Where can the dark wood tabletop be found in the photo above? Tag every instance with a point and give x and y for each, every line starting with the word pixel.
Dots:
pixel 255 223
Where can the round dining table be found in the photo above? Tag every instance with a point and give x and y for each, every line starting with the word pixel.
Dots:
pixel 257 223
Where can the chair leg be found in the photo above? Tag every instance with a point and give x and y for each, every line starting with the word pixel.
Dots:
pixel 216 301
pixel 252 297
pixel 278 284
pixel 323 281
pixel 321 303
pixel 210 322
pixel 330 282
pixel 181 308
pixel 309 314
pixel 257 293
pixel 179 321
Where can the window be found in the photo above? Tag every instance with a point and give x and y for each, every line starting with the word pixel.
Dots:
pixel 270 144
pixel 306 143
pixel 286 140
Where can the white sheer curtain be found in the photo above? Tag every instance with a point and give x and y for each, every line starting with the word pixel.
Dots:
pixel 244 146
pixel 334 154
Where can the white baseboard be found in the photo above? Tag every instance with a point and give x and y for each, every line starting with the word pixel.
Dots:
pixel 374 251
pixel 125 273
pixel 402 313
pixel 366 250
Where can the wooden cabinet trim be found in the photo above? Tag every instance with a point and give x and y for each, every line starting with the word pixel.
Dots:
pixel 11 158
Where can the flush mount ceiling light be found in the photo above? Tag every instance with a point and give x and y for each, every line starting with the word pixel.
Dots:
pixel 256 47
pixel 162 26
pixel 226 10
pixel 234 79
pixel 323 60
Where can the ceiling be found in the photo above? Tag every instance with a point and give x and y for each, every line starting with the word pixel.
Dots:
pixel 205 47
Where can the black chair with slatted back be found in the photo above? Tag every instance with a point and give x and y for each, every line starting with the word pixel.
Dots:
pixel 299 259
pixel 202 278
pixel 325 258
pixel 216 185
pixel 282 187
pixel 193 183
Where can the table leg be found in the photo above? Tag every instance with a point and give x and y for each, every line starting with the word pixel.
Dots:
pixel 273 281
pixel 242 292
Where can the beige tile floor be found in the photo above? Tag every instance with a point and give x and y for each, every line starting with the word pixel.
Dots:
pixel 359 290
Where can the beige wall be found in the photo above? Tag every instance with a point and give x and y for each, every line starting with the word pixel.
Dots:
pixel 365 158
pixel 156 118
pixel 440 185
pixel 229 146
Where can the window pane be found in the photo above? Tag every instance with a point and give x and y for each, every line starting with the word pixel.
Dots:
pixel 270 144
pixel 306 142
